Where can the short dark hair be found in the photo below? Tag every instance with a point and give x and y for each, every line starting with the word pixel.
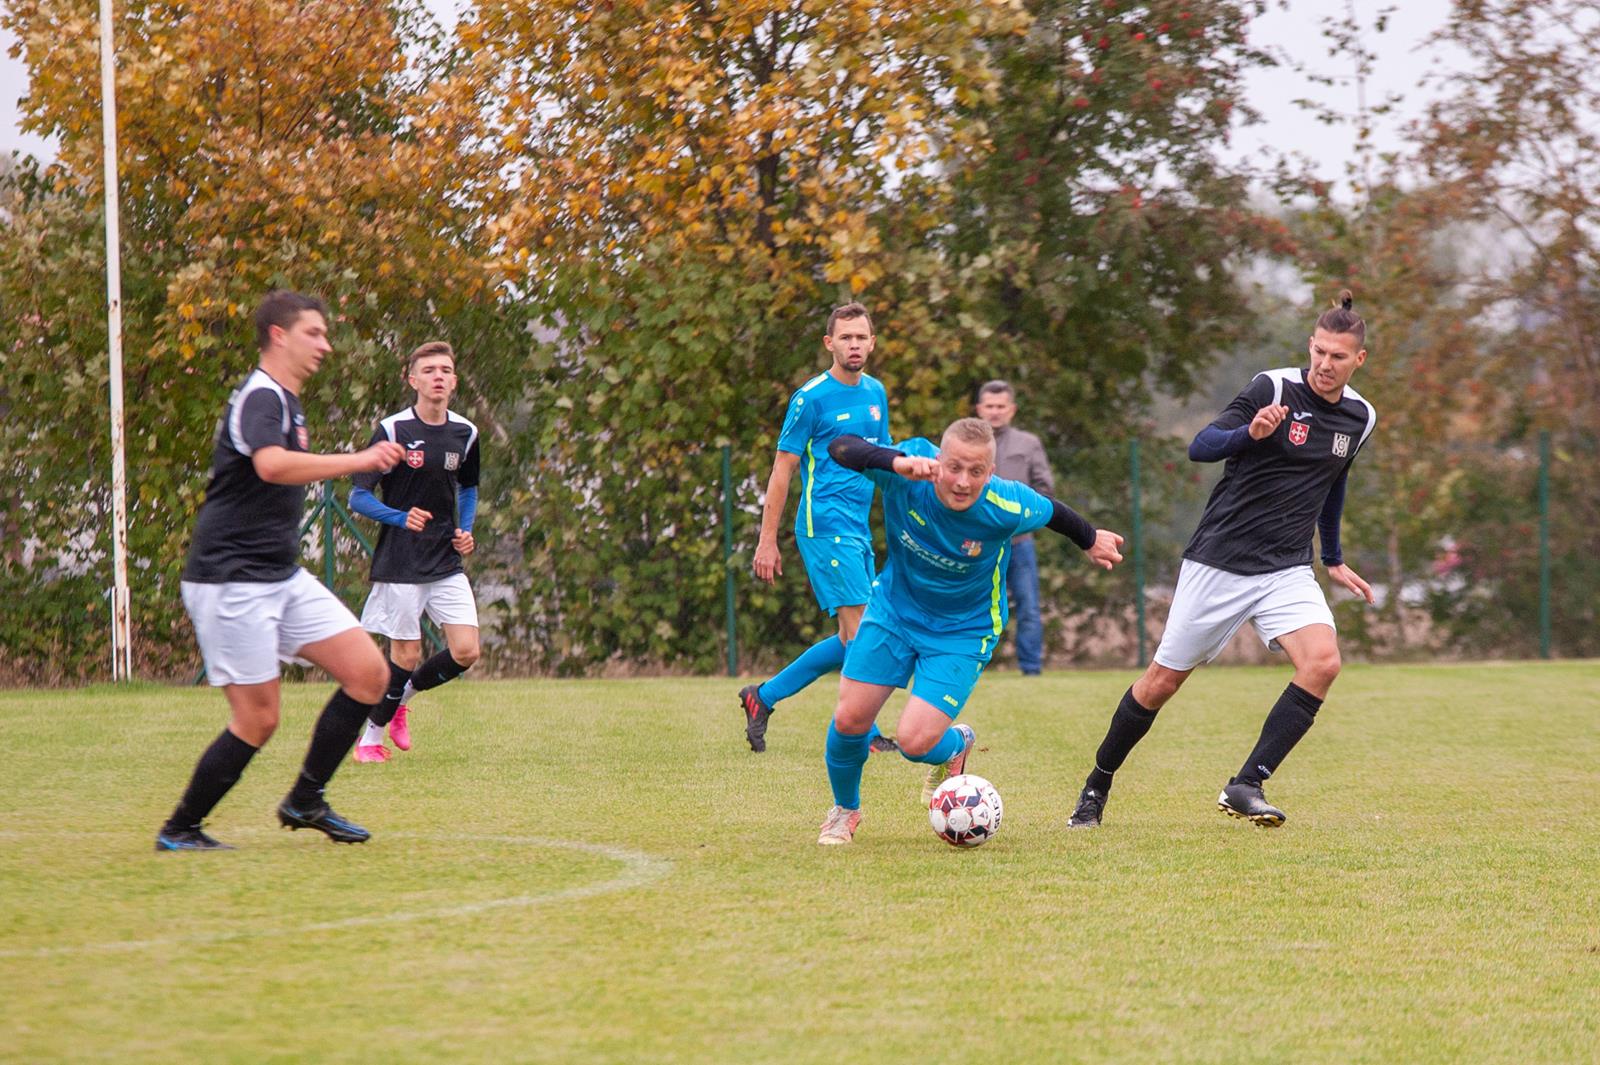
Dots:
pixel 283 308
pixel 1342 318
pixel 990 388
pixel 431 348
pixel 849 310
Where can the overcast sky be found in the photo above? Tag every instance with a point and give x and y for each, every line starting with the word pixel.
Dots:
pixel 1401 62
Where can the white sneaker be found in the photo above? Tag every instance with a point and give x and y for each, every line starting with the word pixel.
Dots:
pixel 839 827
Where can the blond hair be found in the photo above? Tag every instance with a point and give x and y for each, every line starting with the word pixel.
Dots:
pixel 971 431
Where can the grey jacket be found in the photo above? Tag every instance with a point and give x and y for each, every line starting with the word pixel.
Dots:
pixel 1019 456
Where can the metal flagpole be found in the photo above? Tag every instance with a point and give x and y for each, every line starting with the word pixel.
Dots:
pixel 121 605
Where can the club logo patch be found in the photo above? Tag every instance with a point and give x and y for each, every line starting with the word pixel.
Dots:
pixel 972 547
pixel 452 459
pixel 1298 431
pixel 414 459
pixel 877 415
pixel 303 437
pixel 1341 444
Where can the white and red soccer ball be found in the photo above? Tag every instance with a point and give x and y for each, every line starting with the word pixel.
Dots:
pixel 965 811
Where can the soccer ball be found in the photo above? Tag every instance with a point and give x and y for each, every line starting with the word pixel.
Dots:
pixel 965 811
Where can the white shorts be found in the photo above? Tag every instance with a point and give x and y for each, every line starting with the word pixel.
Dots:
pixel 1211 604
pixel 395 610
pixel 246 628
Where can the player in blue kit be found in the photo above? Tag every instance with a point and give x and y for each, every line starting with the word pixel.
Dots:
pixel 831 528
pixel 940 605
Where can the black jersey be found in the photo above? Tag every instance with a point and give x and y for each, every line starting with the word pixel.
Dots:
pixel 248 529
pixel 438 460
pixel 1262 513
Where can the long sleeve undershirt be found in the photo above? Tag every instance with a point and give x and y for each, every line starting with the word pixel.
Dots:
pixel 363 502
pixel 1212 444
pixel 1328 522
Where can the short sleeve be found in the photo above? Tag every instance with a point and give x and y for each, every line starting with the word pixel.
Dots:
pixel 467 476
pixel 259 422
pixel 369 479
pixel 797 425
pixel 1243 409
pixel 1034 509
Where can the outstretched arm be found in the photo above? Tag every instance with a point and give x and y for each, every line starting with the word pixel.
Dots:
pixel 854 453
pixel 1100 544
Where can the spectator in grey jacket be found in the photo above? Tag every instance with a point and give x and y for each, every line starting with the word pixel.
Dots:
pixel 1019 456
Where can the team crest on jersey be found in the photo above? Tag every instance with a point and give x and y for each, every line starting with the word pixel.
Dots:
pixel 304 437
pixel 877 415
pixel 1341 444
pixel 972 547
pixel 414 459
pixel 452 459
pixel 1298 431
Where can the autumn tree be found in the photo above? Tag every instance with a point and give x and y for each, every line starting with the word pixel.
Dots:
pixel 263 143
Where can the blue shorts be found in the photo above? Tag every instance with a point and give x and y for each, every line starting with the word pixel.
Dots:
pixel 880 655
pixel 840 569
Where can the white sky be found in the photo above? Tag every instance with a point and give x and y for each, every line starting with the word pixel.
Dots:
pixel 1290 28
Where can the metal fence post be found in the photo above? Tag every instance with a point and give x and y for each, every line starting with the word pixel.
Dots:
pixel 1544 544
pixel 327 536
pixel 727 560
pixel 1137 532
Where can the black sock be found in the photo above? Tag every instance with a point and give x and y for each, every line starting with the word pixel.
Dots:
pixel 435 671
pixel 390 703
pixel 331 741
pixel 1128 726
pixel 218 770
pixel 1289 720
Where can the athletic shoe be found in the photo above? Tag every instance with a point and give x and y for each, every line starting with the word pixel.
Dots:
pixel 372 752
pixel 839 827
pixel 188 839
pixel 882 744
pixel 1091 807
pixel 400 729
pixel 323 819
pixel 756 714
pixel 953 768
pixel 1246 802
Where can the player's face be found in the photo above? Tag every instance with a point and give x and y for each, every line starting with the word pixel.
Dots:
pixel 434 378
pixel 850 342
pixel 305 342
pixel 1335 357
pixel 963 471
pixel 997 409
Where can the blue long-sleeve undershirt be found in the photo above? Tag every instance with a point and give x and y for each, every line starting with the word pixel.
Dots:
pixel 363 502
pixel 1212 444
pixel 1328 522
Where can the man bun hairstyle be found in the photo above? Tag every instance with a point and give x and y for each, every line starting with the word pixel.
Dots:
pixel 971 431
pixel 849 310
pixel 1342 318
pixel 283 308
pixel 432 347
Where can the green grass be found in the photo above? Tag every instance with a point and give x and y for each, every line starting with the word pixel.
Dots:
pixel 602 872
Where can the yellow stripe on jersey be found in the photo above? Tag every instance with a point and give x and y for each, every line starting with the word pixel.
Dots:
pixel 811 479
pixel 994 597
pixel 1004 504
pixel 919 518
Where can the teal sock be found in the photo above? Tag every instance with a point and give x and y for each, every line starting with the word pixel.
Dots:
pixel 948 747
pixel 845 756
pixel 818 660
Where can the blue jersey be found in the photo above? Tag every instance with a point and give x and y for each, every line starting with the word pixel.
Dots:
pixel 945 582
pixel 834 501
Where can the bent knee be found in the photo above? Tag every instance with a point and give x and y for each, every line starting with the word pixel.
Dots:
pixel 368 683
pixel 915 746
pixel 467 656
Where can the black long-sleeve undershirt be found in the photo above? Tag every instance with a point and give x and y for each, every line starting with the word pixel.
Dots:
pixel 854 453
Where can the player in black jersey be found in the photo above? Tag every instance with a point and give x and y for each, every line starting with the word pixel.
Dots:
pixel 252 605
pixel 427 510
pixel 1289 440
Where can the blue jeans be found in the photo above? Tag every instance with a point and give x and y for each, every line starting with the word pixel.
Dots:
pixel 1022 578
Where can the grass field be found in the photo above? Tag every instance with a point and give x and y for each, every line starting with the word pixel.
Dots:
pixel 602 872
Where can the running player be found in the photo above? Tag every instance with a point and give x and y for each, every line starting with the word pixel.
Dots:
pixel 429 502
pixel 250 603
pixel 1289 440
pixel 941 600
pixel 831 529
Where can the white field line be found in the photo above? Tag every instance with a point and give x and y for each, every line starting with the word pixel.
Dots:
pixel 638 869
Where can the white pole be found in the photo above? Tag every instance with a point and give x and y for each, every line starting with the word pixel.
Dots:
pixel 121 606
